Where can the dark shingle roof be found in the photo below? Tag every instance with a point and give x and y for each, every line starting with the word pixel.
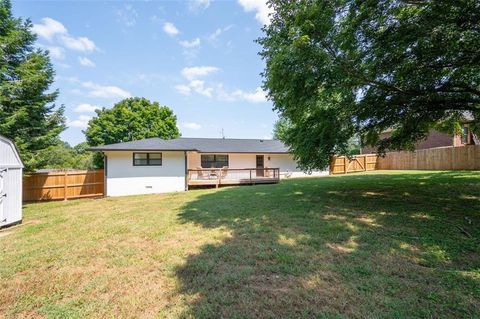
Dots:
pixel 203 145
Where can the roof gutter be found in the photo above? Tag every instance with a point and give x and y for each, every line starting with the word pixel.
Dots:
pixel 182 150
pixel 99 149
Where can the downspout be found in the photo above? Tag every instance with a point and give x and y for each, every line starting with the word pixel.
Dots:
pixel 186 170
pixel 105 173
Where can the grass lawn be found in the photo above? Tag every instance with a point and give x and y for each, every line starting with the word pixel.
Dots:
pixel 382 245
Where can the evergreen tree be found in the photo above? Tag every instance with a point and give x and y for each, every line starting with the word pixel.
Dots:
pixel 28 114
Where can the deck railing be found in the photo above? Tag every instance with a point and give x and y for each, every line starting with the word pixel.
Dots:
pixel 232 176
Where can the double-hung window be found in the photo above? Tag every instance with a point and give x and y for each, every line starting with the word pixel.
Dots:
pixel 147 159
pixel 214 161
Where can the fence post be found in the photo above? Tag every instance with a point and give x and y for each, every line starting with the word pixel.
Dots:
pixel 65 186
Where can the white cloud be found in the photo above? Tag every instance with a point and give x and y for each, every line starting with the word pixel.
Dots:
pixel 56 53
pixel 260 8
pixel 170 29
pixel 49 28
pixel 214 36
pixel 198 4
pixel 86 62
pixel 257 96
pixel 183 89
pixel 196 86
pixel 127 16
pixel 86 108
pixel 94 89
pixel 190 44
pixel 192 125
pixel 82 44
pixel 192 74
pixel 198 71
pixel 199 87
pixel 107 92
pixel 80 122
pixel 190 48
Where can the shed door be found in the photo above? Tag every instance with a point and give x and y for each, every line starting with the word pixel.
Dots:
pixel 3 195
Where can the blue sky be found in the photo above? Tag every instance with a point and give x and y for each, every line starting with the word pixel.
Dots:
pixel 198 57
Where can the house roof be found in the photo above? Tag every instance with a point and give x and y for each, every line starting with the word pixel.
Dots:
pixel 202 145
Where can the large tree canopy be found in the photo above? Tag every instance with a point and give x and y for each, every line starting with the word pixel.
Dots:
pixel 280 128
pixel 343 68
pixel 27 113
pixel 129 120
pixel 63 156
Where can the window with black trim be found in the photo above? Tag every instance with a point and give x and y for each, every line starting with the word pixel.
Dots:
pixel 147 159
pixel 214 161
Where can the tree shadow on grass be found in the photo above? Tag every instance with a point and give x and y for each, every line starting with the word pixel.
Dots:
pixel 350 246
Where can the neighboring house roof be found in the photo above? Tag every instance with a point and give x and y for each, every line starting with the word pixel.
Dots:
pixel 202 145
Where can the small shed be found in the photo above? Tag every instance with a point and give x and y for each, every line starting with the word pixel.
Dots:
pixel 11 170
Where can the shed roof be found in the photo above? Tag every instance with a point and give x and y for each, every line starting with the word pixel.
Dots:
pixel 9 155
pixel 202 145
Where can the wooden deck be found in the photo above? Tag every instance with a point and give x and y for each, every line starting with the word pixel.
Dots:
pixel 237 176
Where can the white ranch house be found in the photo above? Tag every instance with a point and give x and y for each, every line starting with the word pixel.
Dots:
pixel 155 165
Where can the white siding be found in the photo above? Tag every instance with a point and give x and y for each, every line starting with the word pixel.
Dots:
pixel 234 160
pixel 8 154
pixel 11 204
pixel 125 179
pixel 11 168
pixel 288 166
pixel 286 163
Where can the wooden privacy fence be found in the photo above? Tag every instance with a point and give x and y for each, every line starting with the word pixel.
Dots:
pixel 357 163
pixel 63 185
pixel 439 158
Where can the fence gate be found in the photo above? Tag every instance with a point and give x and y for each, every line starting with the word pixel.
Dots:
pixel 357 163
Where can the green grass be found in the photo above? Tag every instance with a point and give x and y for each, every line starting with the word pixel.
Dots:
pixel 379 245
